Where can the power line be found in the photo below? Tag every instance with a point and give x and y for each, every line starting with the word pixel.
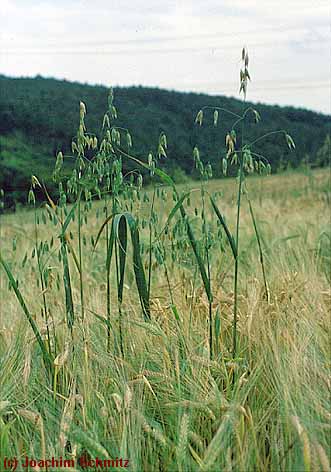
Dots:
pixel 117 52
pixel 117 42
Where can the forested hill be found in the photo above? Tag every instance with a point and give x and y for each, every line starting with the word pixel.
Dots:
pixel 39 117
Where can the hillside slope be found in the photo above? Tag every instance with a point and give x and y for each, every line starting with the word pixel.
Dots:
pixel 39 116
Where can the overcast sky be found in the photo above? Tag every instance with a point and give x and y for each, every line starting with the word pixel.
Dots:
pixel 182 45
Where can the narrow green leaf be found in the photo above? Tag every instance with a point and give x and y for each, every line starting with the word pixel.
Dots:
pixel 122 244
pixel 217 323
pixel 138 267
pixel 119 231
pixel 107 220
pixel 48 361
pixel 68 218
pixel 67 283
pixel 110 247
pixel 175 209
pixel 175 312
pixel 225 227
pixel 206 281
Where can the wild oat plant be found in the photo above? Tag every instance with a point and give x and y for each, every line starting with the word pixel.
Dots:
pixel 136 327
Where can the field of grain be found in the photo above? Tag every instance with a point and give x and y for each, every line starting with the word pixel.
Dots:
pixel 163 387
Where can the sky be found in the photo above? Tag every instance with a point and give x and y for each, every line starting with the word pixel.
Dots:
pixel 177 45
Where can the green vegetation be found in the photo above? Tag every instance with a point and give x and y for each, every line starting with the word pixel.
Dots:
pixel 166 404
pixel 183 327
pixel 38 119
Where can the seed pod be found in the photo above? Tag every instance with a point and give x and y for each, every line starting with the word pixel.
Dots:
pixel 199 117
pixel 215 117
pixel 129 140
pixel 250 163
pixel 224 165
pixel 163 141
pixel 152 168
pixel 81 132
pixel 196 154
pixel 113 136
pixel 82 109
pixel 118 138
pixel 110 98
pixel 106 122
pixel 289 141
pixel 74 147
pixel 35 182
pixel 209 171
pixel 62 358
pixel 113 113
pixel 161 151
pixel 31 197
pixel 257 116
pixel 247 76
pixel 150 159
pixel 200 167
pixel 59 162
pixel 139 181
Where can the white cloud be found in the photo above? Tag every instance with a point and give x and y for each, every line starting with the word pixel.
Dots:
pixel 184 45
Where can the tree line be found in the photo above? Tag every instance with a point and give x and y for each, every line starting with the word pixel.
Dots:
pixel 39 117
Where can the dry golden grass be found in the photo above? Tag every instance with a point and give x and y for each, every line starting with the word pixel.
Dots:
pixel 165 405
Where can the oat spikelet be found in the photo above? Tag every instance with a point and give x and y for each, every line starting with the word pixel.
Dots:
pixel 82 109
pixel 199 117
pixel 62 358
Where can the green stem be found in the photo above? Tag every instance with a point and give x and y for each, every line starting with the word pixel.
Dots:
pixel 47 358
pixel 266 288
pixel 266 135
pixel 81 284
pixel 210 308
pixel 192 298
pixel 107 280
pixel 44 310
pixel 150 244
pixel 221 109
pixel 236 266
pixel 119 302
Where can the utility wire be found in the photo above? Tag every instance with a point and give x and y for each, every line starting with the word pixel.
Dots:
pixel 119 52
pixel 199 37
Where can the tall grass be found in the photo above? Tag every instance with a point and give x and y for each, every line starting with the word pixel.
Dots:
pixel 159 333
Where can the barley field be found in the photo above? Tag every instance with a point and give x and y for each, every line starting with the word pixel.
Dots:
pixel 125 338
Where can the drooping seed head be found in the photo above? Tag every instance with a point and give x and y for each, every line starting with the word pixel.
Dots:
pixel 82 110
pixel 215 117
pixel 199 117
